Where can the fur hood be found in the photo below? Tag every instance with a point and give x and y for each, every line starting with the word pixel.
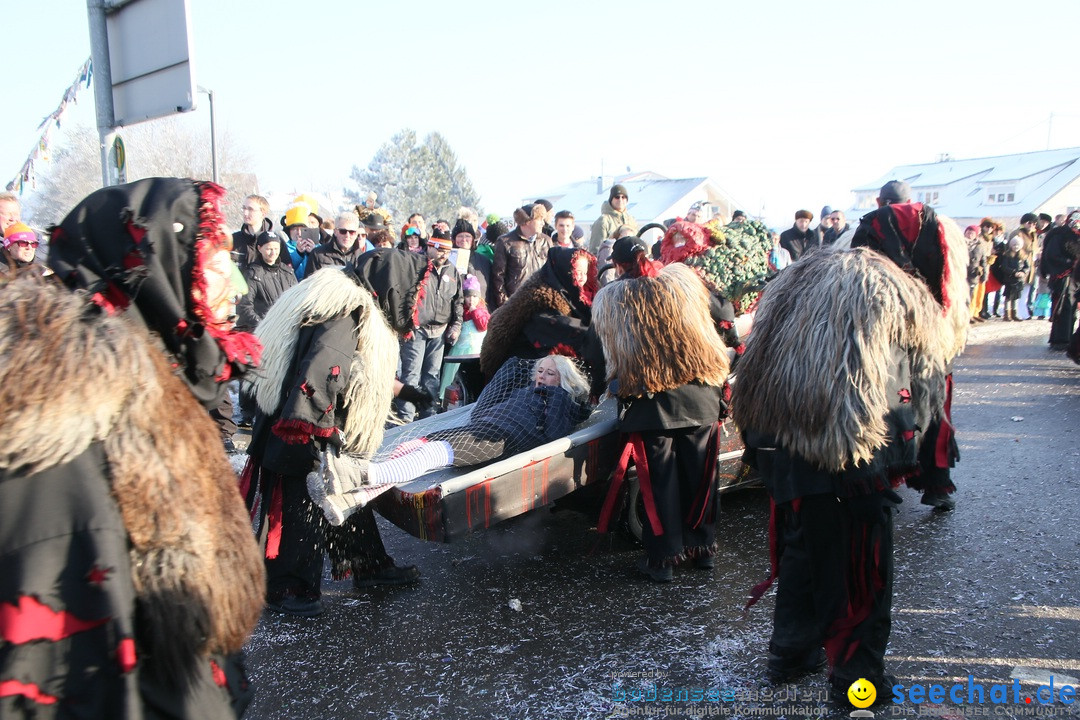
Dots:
pixel 816 365
pixel 197 571
pixel 507 322
pixel 327 294
pixel 657 333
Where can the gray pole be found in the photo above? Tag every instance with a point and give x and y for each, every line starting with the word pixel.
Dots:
pixel 99 58
pixel 213 134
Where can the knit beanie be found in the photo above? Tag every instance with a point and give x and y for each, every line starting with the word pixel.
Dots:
pixel 463 226
pixel 19 232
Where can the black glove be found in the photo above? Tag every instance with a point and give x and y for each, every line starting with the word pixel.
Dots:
pixel 419 397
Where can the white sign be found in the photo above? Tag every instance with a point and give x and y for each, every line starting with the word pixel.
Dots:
pixel 150 59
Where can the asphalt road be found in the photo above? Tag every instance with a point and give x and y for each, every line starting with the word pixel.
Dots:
pixel 990 590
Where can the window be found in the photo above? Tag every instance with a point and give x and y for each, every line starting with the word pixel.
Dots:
pixel 1010 197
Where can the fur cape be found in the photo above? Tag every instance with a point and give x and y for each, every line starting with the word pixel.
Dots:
pixel 327 294
pixel 508 321
pixel 816 366
pixel 657 333
pixel 197 571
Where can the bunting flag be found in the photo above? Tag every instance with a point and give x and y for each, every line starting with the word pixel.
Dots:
pixel 41 151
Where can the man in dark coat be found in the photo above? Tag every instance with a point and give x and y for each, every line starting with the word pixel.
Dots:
pixel 519 253
pixel 349 242
pixel 799 238
pixel 438 325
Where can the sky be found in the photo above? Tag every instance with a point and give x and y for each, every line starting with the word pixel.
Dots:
pixel 786 104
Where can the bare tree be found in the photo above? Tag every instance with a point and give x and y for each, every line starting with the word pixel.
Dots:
pixel 160 148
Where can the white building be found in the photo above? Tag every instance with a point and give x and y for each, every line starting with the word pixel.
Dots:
pixel 650 198
pixel 1003 187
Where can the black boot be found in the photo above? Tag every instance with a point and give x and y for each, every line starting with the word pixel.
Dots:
pixel 785 667
pixel 389 575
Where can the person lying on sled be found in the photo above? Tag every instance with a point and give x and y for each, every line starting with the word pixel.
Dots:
pixel 526 404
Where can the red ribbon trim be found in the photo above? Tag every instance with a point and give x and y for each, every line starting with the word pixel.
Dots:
pixel 273 536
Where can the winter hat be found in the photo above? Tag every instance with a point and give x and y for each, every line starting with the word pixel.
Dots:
pixel 825 212
pixel 972 227
pixel 1046 218
pixel 617 190
pixel 624 249
pixel 1029 218
pixel 374 221
pixel 19 232
pixel 578 233
pixel 312 205
pixel 525 213
pixel 296 214
pixel 470 286
pixel 464 226
pixel 738 214
pixel 895 191
pixel 495 230
pixel 440 239
pixel 991 223
pixel 266 237
pixel 804 214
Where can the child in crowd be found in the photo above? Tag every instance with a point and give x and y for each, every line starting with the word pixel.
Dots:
pixel 1013 269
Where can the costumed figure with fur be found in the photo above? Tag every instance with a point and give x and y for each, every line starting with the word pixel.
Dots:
pixel 129 580
pixel 550 312
pixel 327 378
pixel 833 423
pixel 668 367
pixel 934 250
pixel 702 247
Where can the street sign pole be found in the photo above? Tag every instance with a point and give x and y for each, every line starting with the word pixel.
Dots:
pixel 103 99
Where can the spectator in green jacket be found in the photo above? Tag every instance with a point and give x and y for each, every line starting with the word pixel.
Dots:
pixel 613 215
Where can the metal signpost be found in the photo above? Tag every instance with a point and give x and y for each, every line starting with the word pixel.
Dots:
pixel 141 52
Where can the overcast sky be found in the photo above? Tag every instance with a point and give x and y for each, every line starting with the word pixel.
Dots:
pixel 787 104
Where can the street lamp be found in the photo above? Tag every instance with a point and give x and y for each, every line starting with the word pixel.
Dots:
pixel 213 134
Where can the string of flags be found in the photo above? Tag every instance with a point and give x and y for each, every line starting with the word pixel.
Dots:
pixel 41 151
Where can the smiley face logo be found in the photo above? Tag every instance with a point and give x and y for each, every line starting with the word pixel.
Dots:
pixel 862 693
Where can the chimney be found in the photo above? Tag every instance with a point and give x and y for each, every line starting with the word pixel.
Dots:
pixel 599 184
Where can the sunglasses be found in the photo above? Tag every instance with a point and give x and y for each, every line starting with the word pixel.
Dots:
pixel 343 231
pixel 25 243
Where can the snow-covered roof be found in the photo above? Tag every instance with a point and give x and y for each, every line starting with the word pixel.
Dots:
pixel 650 197
pixel 1024 181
